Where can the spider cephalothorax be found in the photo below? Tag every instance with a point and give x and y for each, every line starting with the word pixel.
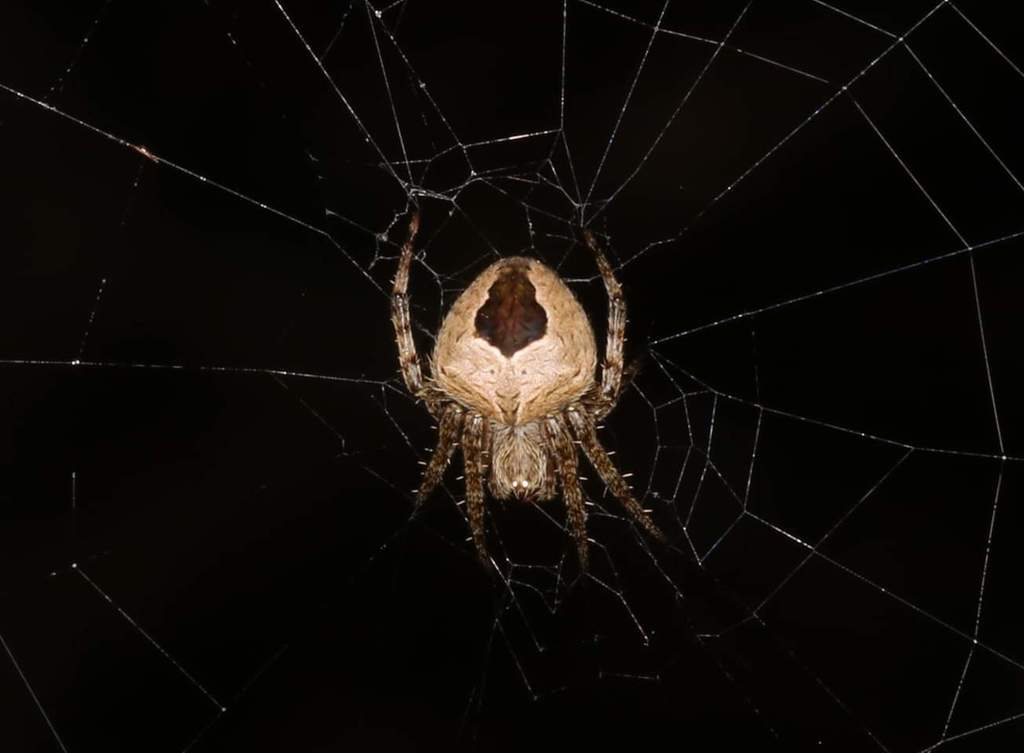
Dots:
pixel 512 379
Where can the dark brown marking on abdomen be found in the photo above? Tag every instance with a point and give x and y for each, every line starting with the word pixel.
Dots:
pixel 511 318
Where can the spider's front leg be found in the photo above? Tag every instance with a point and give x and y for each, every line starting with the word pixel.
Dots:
pixel 583 425
pixel 447 437
pixel 473 437
pixel 560 444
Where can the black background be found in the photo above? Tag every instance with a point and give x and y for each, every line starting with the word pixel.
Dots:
pixel 197 514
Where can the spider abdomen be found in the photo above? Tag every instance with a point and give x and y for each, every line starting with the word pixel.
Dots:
pixel 516 344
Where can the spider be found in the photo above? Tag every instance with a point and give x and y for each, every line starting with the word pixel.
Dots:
pixel 512 379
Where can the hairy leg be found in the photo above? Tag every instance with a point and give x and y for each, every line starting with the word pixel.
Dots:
pixel 447 438
pixel 472 453
pixel 549 487
pixel 408 358
pixel 611 369
pixel 583 426
pixel 563 452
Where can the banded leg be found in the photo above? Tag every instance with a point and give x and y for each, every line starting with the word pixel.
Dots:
pixel 583 426
pixel 447 438
pixel 559 439
pixel 408 359
pixel 611 369
pixel 549 487
pixel 472 453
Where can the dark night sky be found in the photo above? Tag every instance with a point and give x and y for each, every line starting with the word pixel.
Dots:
pixel 206 452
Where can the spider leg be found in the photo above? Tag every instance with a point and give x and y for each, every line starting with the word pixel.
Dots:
pixel 611 369
pixel 408 358
pixel 583 426
pixel 472 452
pixel 560 442
pixel 447 438
pixel 549 486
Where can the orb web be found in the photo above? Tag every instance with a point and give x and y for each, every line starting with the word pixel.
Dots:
pixel 207 530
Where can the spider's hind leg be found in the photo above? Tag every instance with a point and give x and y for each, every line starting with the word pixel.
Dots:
pixel 612 367
pixel 408 358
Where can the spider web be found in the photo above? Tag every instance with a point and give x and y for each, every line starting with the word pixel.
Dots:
pixel 815 209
